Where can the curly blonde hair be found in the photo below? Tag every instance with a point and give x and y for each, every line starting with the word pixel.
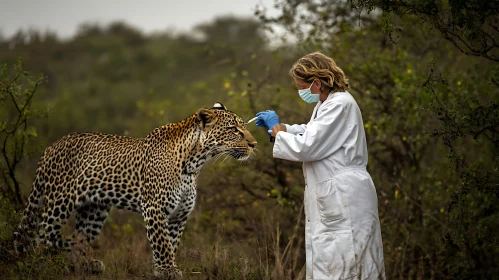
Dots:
pixel 322 67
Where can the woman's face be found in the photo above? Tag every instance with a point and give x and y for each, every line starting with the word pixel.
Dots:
pixel 315 88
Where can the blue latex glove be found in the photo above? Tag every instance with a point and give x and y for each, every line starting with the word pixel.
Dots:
pixel 267 119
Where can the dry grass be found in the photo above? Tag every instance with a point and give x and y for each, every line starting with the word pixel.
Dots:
pixel 124 249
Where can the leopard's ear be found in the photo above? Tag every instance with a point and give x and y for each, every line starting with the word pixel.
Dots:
pixel 219 106
pixel 206 118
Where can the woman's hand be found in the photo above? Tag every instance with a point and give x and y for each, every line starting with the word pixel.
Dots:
pixel 267 119
pixel 277 128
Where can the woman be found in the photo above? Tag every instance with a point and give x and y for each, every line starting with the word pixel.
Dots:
pixel 343 238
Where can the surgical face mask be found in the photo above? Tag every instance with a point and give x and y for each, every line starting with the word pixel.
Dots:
pixel 308 96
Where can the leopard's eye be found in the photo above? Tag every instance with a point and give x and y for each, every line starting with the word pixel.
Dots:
pixel 234 129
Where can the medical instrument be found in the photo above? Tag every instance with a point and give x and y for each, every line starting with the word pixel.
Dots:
pixel 271 138
pixel 252 120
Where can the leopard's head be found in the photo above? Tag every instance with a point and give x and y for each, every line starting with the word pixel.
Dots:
pixel 224 132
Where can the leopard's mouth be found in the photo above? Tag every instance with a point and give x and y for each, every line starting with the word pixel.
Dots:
pixel 239 153
pixel 243 157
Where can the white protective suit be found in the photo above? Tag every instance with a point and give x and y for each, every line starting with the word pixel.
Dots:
pixel 342 233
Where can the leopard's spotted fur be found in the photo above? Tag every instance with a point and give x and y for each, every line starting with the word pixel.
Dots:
pixel 155 176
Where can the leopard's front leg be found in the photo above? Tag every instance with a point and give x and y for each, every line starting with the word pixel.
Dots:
pixel 178 218
pixel 156 220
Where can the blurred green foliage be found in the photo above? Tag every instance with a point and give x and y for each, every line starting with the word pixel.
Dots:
pixel 430 113
pixel 17 89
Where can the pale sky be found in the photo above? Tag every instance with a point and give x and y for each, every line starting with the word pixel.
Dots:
pixel 64 16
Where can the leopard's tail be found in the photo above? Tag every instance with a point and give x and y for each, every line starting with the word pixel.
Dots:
pixel 27 230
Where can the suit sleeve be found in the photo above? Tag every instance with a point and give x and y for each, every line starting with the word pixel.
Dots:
pixel 321 138
pixel 296 128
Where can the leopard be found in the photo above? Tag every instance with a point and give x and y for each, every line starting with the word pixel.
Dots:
pixel 156 176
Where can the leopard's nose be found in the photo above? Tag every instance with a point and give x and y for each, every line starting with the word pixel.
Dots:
pixel 252 145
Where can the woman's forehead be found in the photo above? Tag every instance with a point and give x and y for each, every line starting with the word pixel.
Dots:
pixel 300 82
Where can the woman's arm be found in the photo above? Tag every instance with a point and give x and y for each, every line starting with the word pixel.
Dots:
pixel 294 129
pixel 325 135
